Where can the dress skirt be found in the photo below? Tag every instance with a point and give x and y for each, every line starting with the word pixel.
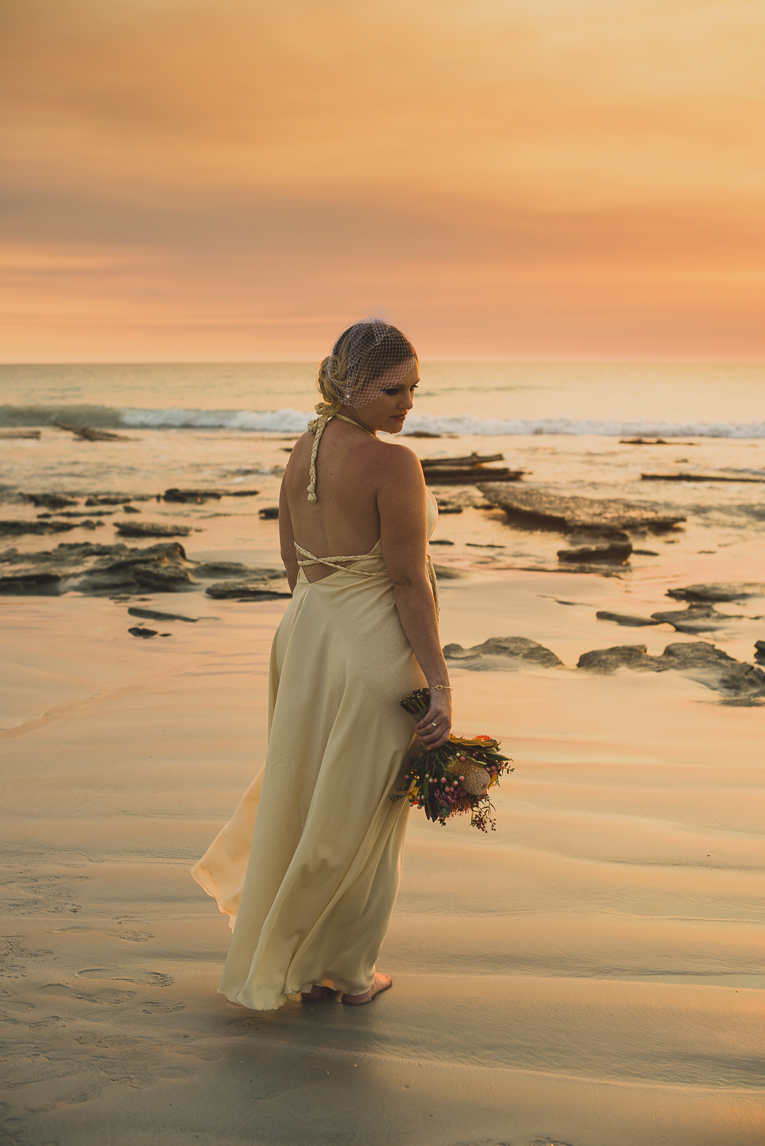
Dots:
pixel 312 888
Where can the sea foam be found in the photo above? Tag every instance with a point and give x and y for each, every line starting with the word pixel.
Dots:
pixel 292 421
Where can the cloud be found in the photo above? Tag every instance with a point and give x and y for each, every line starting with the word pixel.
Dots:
pixel 594 167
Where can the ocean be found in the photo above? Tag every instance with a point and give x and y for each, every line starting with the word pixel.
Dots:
pixel 486 399
pixel 231 426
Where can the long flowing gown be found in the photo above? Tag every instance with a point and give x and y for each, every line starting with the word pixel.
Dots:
pixel 312 888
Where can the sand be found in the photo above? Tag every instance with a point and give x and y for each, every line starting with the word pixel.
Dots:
pixel 588 975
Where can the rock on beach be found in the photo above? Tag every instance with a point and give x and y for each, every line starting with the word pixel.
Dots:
pixel 625 619
pixel 617 553
pixel 150 529
pixel 719 591
pixel 698 660
pixel 243 591
pixel 96 570
pixel 542 509
pixel 502 653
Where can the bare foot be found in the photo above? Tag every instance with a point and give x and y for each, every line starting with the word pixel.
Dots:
pixel 381 983
pixel 315 994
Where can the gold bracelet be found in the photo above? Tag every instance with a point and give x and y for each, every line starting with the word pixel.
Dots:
pixel 441 687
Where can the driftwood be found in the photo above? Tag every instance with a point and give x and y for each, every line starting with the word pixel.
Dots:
pixel 471 460
pixel 468 475
pixel 20 433
pixel 698 477
pixel 86 434
pixel 466 470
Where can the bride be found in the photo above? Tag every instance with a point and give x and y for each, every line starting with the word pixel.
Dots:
pixel 312 887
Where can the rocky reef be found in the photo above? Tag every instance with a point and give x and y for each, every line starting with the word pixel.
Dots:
pixel 102 570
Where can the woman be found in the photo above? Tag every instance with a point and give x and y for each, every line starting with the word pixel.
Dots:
pixel 359 634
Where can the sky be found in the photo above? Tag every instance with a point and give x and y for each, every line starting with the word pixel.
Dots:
pixel 238 180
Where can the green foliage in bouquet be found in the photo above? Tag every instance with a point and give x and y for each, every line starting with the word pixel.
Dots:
pixel 456 778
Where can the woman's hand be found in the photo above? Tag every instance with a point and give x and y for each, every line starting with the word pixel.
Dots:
pixel 435 726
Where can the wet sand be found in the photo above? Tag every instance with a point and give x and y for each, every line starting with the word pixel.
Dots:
pixel 590 974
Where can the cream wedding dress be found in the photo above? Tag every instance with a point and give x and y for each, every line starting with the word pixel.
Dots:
pixel 311 889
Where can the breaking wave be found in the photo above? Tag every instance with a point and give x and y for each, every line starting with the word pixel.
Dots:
pixel 294 422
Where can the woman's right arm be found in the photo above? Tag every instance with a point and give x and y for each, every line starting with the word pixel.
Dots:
pixel 287 539
pixel 403 535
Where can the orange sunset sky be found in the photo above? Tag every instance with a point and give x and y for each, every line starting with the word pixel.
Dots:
pixel 236 180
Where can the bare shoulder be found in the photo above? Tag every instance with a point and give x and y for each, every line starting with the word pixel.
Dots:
pixel 301 448
pixel 396 462
pixel 305 441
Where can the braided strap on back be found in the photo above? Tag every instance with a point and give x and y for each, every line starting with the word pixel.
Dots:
pixel 332 562
pixel 317 428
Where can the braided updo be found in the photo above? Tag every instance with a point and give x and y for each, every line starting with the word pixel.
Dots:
pixel 366 354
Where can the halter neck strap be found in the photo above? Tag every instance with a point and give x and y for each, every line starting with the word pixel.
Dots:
pixel 317 428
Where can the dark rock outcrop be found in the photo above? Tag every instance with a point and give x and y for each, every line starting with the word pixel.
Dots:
pixel 83 512
pixel 50 500
pixel 211 569
pixel 150 529
pixel 107 499
pixel 160 577
pixel 698 660
pixel 19 528
pixel 156 615
pixel 719 591
pixel 191 496
pixel 714 668
pixel 540 509
pixel 40 583
pixel 625 619
pixel 617 553
pixel 606 661
pixel 502 653
pixel 243 591
pixel 697 618
pixel 447 573
pixel 140 631
pixel 270 513
pixel 105 569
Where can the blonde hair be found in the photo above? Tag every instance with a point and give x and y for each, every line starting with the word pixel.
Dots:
pixel 363 354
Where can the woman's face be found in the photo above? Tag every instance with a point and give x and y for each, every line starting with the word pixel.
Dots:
pixel 387 412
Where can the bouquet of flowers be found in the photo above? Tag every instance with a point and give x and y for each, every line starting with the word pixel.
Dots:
pixel 457 777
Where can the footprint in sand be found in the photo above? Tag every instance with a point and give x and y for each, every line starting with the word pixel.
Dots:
pixel 102 998
pixel 13 956
pixel 132 936
pixel 150 1008
pixel 16 1004
pixel 67 1100
pixel 142 978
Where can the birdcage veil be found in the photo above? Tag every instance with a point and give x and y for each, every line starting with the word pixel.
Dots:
pixel 367 358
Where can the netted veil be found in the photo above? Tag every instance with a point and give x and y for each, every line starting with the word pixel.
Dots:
pixel 367 358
